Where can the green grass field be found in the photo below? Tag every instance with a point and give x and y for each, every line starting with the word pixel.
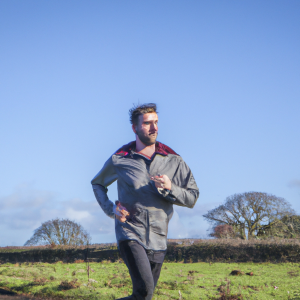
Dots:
pixel 177 280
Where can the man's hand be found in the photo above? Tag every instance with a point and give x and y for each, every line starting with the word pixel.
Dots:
pixel 120 212
pixel 121 218
pixel 162 181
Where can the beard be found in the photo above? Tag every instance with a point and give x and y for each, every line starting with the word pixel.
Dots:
pixel 147 140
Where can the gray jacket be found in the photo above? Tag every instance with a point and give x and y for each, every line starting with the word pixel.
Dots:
pixel 150 208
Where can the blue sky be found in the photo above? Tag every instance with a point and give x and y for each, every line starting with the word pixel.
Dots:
pixel 224 74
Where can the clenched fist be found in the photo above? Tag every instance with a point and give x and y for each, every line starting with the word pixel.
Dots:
pixel 120 212
pixel 162 181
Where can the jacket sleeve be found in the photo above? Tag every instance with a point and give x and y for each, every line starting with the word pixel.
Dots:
pixel 100 182
pixel 184 190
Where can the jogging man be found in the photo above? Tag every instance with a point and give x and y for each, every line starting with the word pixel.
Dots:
pixel 151 178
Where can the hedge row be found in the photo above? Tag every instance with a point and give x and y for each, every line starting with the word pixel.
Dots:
pixel 201 251
pixel 65 255
pixel 230 253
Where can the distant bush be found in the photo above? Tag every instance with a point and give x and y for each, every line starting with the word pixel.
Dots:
pixel 223 231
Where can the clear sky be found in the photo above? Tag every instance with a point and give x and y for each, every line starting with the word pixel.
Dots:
pixel 224 74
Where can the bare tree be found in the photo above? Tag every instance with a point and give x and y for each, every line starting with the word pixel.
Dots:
pixel 59 232
pixel 250 213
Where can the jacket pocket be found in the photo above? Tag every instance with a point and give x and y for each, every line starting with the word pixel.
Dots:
pixel 158 221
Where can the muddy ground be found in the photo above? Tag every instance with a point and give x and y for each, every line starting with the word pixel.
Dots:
pixel 7 295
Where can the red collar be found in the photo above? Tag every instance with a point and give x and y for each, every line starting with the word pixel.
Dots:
pixel 159 149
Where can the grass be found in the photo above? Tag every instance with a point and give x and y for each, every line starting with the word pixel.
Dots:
pixel 177 281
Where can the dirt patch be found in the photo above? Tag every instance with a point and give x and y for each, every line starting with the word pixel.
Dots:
pixel 2 297
pixel 8 295
pixel 18 297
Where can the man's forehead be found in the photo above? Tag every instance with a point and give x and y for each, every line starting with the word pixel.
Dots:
pixel 149 117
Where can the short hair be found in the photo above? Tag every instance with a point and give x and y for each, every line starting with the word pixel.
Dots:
pixel 142 109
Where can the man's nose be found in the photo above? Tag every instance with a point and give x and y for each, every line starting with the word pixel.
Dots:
pixel 154 127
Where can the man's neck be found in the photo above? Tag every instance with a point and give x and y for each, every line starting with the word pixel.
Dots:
pixel 143 149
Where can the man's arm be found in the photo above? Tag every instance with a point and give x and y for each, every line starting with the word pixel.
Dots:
pixel 104 178
pixel 182 190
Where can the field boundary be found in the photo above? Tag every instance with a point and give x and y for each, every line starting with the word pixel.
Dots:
pixel 187 251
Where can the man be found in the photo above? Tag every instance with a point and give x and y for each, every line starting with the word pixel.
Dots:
pixel 151 178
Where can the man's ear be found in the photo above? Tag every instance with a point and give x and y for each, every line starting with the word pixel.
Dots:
pixel 134 128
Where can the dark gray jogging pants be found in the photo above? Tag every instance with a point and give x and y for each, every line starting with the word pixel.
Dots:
pixel 144 268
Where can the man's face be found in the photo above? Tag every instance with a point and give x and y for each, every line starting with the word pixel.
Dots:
pixel 147 128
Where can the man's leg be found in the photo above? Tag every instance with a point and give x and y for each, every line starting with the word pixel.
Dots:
pixel 155 268
pixel 140 269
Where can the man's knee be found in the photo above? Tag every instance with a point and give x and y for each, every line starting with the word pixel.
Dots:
pixel 145 291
